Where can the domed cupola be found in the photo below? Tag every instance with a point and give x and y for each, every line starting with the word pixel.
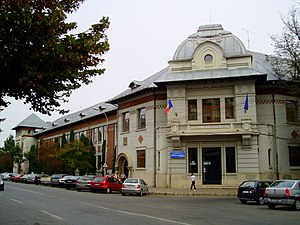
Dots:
pixel 211 47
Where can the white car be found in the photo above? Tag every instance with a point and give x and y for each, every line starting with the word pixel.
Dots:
pixel 134 186
pixel 283 192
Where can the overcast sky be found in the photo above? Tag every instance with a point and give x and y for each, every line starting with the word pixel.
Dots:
pixel 144 35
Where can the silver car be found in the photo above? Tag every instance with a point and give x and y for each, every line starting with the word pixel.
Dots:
pixel 283 192
pixel 134 186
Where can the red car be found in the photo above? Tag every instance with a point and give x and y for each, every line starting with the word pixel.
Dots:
pixel 107 184
pixel 17 178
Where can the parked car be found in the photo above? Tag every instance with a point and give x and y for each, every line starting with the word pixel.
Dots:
pixel 54 180
pixel 253 190
pixel 33 178
pixel 17 177
pixel 70 182
pixel 107 184
pixel 45 179
pixel 1 184
pixel 283 192
pixel 7 176
pixel 134 186
pixel 83 183
pixel 61 181
pixel 23 179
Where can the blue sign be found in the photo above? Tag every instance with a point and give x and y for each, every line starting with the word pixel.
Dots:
pixel 177 154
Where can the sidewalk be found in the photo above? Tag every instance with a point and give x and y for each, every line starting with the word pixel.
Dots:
pixel 199 192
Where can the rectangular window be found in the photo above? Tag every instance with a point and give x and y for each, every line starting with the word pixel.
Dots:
pixel 269 157
pixel 193 160
pixel 192 109
pixel 291 111
pixel 294 155
pixel 229 108
pixel 142 118
pixel 230 160
pixel 211 110
pixel 126 120
pixel 141 155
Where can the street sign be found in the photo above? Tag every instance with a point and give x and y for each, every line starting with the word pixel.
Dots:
pixel 105 165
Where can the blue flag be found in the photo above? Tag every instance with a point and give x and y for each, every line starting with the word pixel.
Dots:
pixel 246 103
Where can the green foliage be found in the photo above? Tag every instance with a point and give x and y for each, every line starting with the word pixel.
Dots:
pixel 32 158
pixel 42 62
pixel 64 140
pixel 15 151
pixel 72 135
pixel 77 155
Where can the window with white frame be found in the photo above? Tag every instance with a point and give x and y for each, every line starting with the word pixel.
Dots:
pixel 211 110
pixel 126 121
pixel 142 118
pixel 229 108
pixel 192 109
pixel 294 156
pixel 292 111
pixel 141 158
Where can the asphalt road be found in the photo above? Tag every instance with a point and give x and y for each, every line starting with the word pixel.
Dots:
pixel 25 204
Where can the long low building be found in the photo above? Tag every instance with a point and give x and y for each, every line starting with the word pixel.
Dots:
pixel 217 111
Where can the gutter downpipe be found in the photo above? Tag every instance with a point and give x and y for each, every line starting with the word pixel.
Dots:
pixel 275 133
pixel 155 156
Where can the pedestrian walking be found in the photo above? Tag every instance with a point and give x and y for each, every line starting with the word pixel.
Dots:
pixel 193 180
pixel 123 177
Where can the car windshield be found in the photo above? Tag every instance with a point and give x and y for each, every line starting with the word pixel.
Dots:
pixel 98 179
pixel 283 184
pixel 249 184
pixel 132 181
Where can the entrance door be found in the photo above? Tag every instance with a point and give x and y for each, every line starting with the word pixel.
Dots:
pixel 211 166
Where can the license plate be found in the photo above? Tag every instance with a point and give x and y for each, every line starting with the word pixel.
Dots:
pixel 246 191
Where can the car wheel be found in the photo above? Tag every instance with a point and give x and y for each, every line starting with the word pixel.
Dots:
pixel 108 190
pixel 260 201
pixel 296 205
pixel 141 193
pixel 271 206
pixel 78 189
pixel 93 190
pixel 243 201
pixel 123 194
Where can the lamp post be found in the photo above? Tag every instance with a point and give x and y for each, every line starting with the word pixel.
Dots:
pixel 101 109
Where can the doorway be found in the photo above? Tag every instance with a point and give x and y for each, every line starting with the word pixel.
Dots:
pixel 211 166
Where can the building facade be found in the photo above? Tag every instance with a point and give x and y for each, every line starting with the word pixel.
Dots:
pixel 228 119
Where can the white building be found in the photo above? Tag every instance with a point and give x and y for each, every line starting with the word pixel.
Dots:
pixel 230 121
pixel 209 131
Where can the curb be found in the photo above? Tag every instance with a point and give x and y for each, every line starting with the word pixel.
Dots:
pixel 193 193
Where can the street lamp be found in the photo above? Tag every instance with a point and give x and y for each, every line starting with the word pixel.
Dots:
pixel 101 109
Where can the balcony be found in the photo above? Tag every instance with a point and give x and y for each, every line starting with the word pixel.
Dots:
pixel 244 128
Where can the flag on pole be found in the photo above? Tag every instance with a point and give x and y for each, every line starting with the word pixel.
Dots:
pixel 246 104
pixel 169 106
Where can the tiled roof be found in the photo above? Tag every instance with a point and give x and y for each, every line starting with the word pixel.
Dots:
pixel 143 85
pixel 81 115
pixel 32 121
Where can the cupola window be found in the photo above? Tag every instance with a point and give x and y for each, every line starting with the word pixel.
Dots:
pixel 208 58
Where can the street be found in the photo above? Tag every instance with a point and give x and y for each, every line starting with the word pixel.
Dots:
pixel 25 204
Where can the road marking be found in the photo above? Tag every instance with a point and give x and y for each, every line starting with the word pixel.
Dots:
pixel 50 214
pixel 153 217
pixel 18 201
pixel 101 207
pixel 21 189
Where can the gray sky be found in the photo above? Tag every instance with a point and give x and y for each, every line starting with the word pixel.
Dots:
pixel 145 34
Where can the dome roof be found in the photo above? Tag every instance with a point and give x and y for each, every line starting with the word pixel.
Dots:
pixel 229 43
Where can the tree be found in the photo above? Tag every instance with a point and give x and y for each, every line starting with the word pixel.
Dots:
pixel 15 151
pixel 77 154
pixel 31 156
pixel 41 61
pixel 286 62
